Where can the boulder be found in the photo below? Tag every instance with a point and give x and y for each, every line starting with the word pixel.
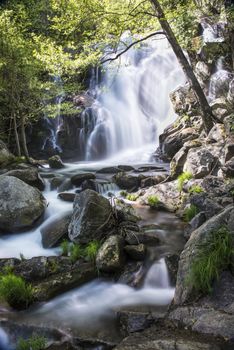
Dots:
pixel 199 162
pixel 196 222
pixel 217 133
pixel 132 321
pixel 77 179
pixel 153 180
pixel 92 217
pixel 20 204
pixel 184 292
pixel 89 184
pixel 110 257
pixel 55 162
pixel 67 196
pixel 136 252
pixel 30 176
pixel 57 230
pixel 228 168
pixel 128 182
pixel 220 108
pixel 109 170
pixel 183 99
pixel 172 262
pixel 6 156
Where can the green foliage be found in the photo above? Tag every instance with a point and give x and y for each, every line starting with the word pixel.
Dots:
pixel 91 250
pixel 35 342
pixel 214 256
pixel 182 178
pixel 153 201
pixel 196 189
pixel 65 248
pixel 190 212
pixel 15 291
pixel 76 252
pixel 132 197
pixel 123 193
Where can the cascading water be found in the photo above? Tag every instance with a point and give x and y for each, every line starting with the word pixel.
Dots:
pixel 219 81
pixel 132 105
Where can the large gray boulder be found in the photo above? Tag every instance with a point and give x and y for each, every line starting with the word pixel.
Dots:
pixel 185 292
pixel 110 257
pixel 92 217
pixel 30 176
pixel 199 162
pixel 20 204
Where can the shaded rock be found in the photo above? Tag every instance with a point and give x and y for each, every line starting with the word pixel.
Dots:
pixel 109 170
pixel 6 156
pixel 196 222
pixel 220 108
pixel 56 182
pixel 67 196
pixel 206 204
pixel 184 292
pixel 199 162
pixel 126 167
pixel 136 252
pixel 30 176
pixel 228 168
pixel 92 217
pixel 89 185
pixel 66 185
pixel 147 237
pixel 110 257
pixel 128 182
pixel 230 96
pixel 153 180
pixel 132 321
pixel 55 162
pixel 20 204
pixel 125 212
pixel 217 133
pixel 172 262
pixel 132 274
pixel 57 230
pixel 77 179
pixel 229 149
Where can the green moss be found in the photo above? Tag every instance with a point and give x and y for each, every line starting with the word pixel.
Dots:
pixel 182 178
pixel 15 291
pixel 214 256
pixel 123 193
pixel 132 197
pixel 35 342
pixel 190 212
pixel 153 201
pixel 196 189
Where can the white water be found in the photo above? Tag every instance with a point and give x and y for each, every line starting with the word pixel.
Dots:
pixel 4 340
pixel 132 105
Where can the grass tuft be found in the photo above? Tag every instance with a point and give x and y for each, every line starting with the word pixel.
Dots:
pixel 214 256
pixel 91 250
pixel 153 201
pixel 35 342
pixel 190 212
pixel 76 252
pixel 132 197
pixel 182 178
pixel 196 189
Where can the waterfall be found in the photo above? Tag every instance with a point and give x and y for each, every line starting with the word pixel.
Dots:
pixel 132 105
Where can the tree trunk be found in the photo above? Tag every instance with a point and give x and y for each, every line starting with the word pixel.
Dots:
pixel 18 150
pixel 206 111
pixel 23 139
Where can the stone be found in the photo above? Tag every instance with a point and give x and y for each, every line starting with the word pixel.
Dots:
pixel 126 167
pixel 89 184
pixel 77 179
pixel 230 96
pixel 208 205
pixel 30 176
pixel 110 257
pixel 220 108
pixel 109 170
pixel 153 180
pixel 203 71
pixel 92 217
pixel 6 156
pixel 128 182
pixel 67 196
pixel 228 168
pixel 136 252
pixel 172 262
pixel 217 133
pixel 54 232
pixel 56 182
pixel 199 162
pixel 183 99
pixel 184 292
pixel 20 204
pixel 148 237
pixel 55 162
pixel 132 321
pixel 132 274
pixel 196 222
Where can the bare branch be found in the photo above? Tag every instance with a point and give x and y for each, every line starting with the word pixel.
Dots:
pixel 131 45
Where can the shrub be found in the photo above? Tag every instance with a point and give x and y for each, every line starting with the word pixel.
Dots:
pixel 153 201
pixel 91 250
pixel 15 291
pixel 182 178
pixel 214 256
pixel 132 197
pixel 76 252
pixel 196 189
pixel 65 248
pixel 190 212
pixel 35 342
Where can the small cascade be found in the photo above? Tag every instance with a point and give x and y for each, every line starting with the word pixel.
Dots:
pixel 212 32
pixel 219 81
pixel 132 105
pixel 4 340
pixel 157 276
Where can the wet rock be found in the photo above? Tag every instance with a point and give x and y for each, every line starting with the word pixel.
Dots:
pixel 126 167
pixel 56 182
pixel 6 156
pixel 110 257
pixel 228 168
pixel 196 222
pixel 230 96
pixel 77 179
pixel 132 321
pixel 125 212
pixel 92 217
pixel 55 162
pixel 109 170
pixel 184 292
pixel 132 274
pixel 206 204
pixel 89 184
pixel 128 182
pixel 199 162
pixel 147 237
pixel 54 232
pixel 136 252
pixel 20 204
pixel 153 180
pixel 30 176
pixel 67 196
pixel 65 185
pixel 172 262
pixel 229 149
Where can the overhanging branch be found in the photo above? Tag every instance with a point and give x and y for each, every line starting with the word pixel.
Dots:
pixel 131 45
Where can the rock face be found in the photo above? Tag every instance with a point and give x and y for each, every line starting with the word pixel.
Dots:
pixel 55 231
pixel 184 293
pixel 92 217
pixel 30 176
pixel 20 204
pixel 199 162
pixel 110 257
